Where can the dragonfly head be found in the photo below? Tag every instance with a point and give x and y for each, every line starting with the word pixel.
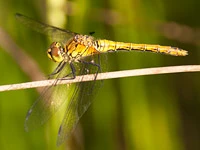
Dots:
pixel 55 52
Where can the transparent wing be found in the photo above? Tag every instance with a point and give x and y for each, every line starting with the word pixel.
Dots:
pixel 80 96
pixel 53 32
pixel 48 103
pixel 79 103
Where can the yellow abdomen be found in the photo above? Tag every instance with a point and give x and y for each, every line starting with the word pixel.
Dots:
pixel 107 45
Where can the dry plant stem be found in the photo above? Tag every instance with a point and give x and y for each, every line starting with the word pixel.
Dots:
pixel 103 76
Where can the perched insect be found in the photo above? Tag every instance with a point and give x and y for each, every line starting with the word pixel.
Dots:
pixel 75 49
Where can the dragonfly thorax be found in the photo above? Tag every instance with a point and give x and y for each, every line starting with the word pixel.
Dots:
pixel 56 52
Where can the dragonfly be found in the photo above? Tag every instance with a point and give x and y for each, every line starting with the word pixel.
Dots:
pixel 73 49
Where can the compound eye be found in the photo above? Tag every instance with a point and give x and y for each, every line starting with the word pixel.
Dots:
pixel 55 52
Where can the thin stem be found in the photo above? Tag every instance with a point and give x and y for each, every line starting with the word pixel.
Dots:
pixel 103 76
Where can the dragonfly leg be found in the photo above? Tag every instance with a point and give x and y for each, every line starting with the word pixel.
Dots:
pixel 73 70
pixel 58 69
pixel 71 75
pixel 93 64
pixel 97 65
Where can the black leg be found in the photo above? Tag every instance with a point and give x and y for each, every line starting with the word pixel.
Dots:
pixel 73 73
pixel 93 64
pixel 73 70
pixel 58 69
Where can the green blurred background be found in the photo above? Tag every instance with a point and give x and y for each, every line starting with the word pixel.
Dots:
pixel 138 113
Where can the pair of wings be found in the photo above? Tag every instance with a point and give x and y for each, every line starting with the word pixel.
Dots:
pixel 78 97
